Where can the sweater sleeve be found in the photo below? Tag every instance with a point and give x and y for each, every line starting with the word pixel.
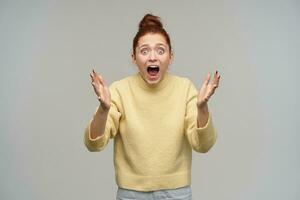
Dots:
pixel 203 138
pixel 111 126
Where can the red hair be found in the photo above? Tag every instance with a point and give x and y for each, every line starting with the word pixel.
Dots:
pixel 150 24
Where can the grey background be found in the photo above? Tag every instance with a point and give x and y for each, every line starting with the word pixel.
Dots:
pixel 48 49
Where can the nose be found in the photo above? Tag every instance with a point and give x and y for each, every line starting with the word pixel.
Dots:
pixel 152 56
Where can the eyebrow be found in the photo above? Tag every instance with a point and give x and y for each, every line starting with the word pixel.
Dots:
pixel 146 45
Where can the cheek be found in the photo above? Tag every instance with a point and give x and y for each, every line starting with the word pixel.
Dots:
pixel 140 63
pixel 166 60
pixel 141 59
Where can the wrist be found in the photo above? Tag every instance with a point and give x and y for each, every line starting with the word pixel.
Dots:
pixel 103 109
pixel 103 106
pixel 202 108
pixel 203 115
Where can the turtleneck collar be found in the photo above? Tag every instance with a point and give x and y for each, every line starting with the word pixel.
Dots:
pixel 160 85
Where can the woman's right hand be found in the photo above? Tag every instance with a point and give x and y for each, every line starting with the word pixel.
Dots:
pixel 101 90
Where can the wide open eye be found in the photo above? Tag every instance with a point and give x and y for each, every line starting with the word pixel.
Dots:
pixel 160 51
pixel 144 51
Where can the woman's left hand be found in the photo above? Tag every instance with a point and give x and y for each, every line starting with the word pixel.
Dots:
pixel 207 90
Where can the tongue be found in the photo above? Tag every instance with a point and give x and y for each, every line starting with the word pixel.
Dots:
pixel 152 72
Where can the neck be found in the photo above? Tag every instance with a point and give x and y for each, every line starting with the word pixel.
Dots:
pixel 157 86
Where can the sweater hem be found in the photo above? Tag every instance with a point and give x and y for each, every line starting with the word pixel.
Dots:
pixel 151 183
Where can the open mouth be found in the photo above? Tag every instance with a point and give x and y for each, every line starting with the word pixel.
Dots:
pixel 153 70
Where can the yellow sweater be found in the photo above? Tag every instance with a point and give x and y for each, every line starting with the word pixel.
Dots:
pixel 154 131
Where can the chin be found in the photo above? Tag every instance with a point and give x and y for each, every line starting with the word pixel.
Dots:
pixel 153 82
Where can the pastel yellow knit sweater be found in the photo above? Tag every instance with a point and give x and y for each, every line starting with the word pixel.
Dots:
pixel 154 131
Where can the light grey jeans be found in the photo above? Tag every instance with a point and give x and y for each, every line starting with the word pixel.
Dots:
pixel 183 193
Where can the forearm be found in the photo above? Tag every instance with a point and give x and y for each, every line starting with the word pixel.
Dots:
pixel 203 115
pixel 206 136
pixel 98 123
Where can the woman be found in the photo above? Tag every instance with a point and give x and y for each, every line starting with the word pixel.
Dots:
pixel 155 119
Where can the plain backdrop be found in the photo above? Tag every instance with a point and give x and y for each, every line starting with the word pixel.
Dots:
pixel 48 49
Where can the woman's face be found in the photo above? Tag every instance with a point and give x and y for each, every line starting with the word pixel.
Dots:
pixel 152 57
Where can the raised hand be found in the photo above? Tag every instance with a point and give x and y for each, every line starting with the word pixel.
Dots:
pixel 207 89
pixel 101 90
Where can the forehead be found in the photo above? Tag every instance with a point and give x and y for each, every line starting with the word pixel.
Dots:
pixel 152 39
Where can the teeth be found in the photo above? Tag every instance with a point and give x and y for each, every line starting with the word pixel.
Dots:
pixel 153 66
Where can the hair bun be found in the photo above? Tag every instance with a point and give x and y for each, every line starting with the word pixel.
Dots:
pixel 150 20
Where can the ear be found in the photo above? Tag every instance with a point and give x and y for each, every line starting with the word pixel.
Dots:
pixel 133 58
pixel 171 57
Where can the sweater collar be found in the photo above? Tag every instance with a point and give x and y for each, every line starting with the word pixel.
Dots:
pixel 160 85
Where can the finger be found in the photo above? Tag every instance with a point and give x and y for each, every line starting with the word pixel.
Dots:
pixel 210 93
pixel 216 80
pixel 95 86
pixel 95 75
pixel 207 79
pixel 98 77
pixel 92 76
pixel 98 90
pixel 101 80
pixel 101 96
pixel 215 85
pixel 215 76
